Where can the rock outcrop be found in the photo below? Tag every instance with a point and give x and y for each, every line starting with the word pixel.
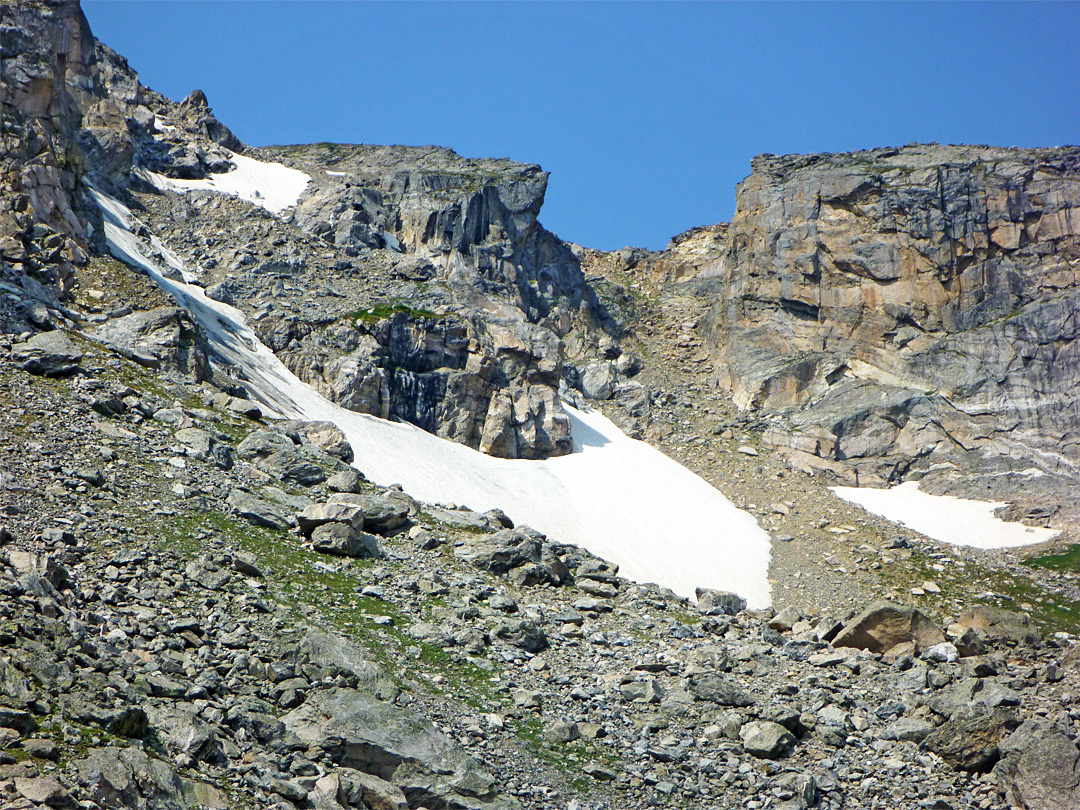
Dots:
pixel 470 222
pixel 906 307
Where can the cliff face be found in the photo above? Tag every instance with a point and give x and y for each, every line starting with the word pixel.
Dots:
pixel 471 222
pixel 949 273
pixel 46 64
pixel 376 226
pixel 72 108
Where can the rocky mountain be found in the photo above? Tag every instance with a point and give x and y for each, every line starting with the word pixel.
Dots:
pixel 902 314
pixel 923 299
pixel 206 605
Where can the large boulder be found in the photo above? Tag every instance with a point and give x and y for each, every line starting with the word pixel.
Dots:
pixel 882 626
pixel 1000 625
pixel 359 731
pixel 971 743
pixel 766 740
pixel 381 515
pixel 500 552
pixel 343 540
pixel 337 655
pixel 718 689
pixel 716 603
pixel 598 380
pixel 184 731
pixel 162 338
pixel 51 354
pixel 327 436
pixel 259 512
pixel 117 777
pixel 1040 768
pixel 317 514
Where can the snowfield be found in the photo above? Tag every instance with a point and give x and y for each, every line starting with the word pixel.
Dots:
pixel 958 521
pixel 272 186
pixel 617 497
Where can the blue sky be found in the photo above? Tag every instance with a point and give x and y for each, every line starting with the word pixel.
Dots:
pixel 646 114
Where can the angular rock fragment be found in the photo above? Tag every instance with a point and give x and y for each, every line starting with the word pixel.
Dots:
pixel 883 625
pixel 51 354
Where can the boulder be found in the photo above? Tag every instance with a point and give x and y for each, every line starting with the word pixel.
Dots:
pixel 1000 625
pixel 128 777
pixel 347 480
pixel 44 790
pixel 358 731
pixel 260 512
pixel 342 540
pixel 500 552
pixel 1039 768
pixel 327 436
pixel 719 602
pixel 971 743
pixel 319 513
pixel 292 467
pixel 598 380
pixel 162 338
pixel 381 515
pixel 262 443
pixel 766 740
pixel 525 634
pixel 882 626
pixel 184 731
pixel 50 354
pixel 346 788
pixel 718 689
pixel 907 729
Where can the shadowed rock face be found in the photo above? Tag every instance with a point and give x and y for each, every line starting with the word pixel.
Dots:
pixel 947 272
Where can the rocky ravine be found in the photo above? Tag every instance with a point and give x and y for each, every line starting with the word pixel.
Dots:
pixel 203 608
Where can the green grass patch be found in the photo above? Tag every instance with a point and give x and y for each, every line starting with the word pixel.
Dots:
pixel 380 312
pixel 1067 561
pixel 307 581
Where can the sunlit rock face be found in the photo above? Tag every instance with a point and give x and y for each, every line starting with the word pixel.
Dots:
pixel 919 300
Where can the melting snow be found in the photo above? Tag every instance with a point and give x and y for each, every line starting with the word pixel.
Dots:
pixel 617 497
pixel 272 186
pixel 959 521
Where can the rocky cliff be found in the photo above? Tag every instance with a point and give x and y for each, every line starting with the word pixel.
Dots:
pixel 73 109
pixel 423 225
pixel 906 307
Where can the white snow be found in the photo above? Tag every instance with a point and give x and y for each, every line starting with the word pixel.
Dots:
pixel 272 186
pixel 617 497
pixel 958 521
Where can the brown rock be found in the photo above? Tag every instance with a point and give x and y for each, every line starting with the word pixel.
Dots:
pixel 997 624
pixel 44 790
pixel 1040 768
pixel 882 626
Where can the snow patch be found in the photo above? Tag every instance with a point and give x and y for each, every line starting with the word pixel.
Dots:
pixel 617 497
pixel 272 186
pixel 958 521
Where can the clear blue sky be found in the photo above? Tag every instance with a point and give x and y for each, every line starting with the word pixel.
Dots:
pixel 646 114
